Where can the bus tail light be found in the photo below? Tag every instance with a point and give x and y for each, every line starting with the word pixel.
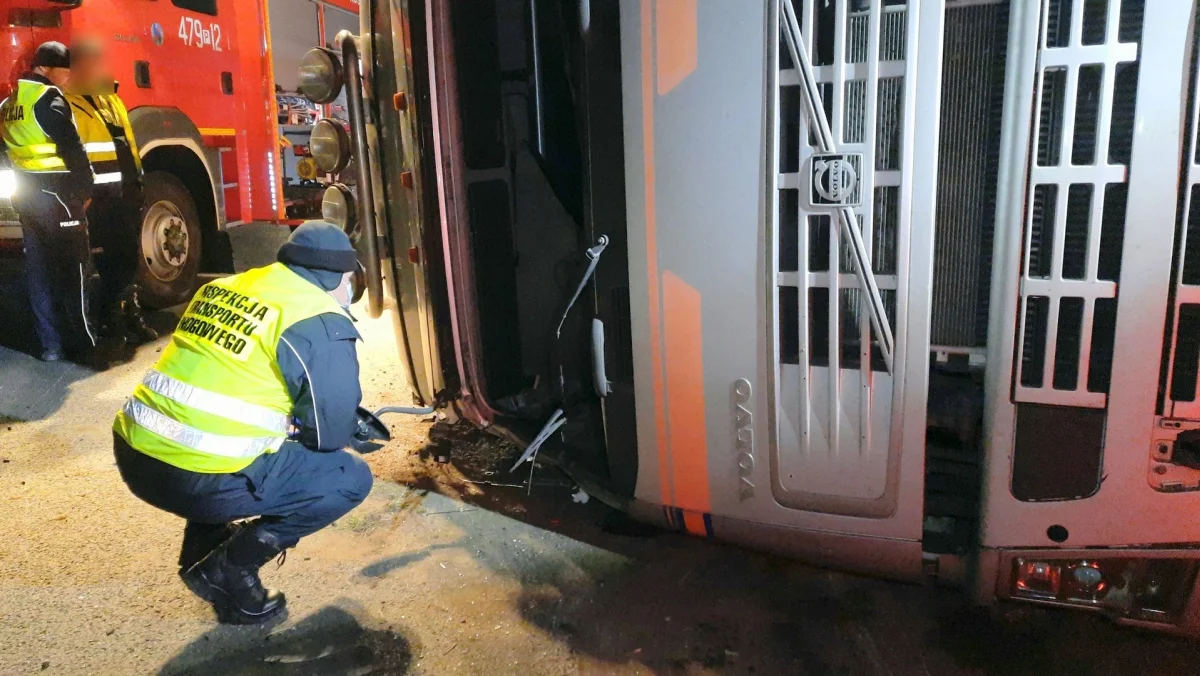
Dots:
pixel 1038 579
pixel 1143 589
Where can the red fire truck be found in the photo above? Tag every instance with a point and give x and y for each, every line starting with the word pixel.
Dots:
pixel 200 80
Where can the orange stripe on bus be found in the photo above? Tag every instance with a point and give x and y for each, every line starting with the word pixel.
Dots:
pixel 656 378
pixel 676 42
pixel 694 521
pixel 688 440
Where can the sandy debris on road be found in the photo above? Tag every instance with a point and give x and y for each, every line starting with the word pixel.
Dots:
pixel 87 572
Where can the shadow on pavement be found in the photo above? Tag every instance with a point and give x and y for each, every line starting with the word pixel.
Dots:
pixel 332 641
pixel 16 333
pixel 384 566
pixel 29 388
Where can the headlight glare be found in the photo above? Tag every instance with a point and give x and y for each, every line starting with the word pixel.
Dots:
pixel 8 183
pixel 321 77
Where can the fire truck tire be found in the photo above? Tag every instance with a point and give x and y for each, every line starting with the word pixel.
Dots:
pixel 170 241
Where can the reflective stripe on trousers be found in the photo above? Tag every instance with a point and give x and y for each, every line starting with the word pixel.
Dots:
pixel 215 403
pixel 198 440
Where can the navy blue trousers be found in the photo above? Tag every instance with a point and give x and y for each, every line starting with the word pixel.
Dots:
pixel 295 491
pixel 57 270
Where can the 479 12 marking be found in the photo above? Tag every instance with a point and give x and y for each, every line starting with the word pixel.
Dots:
pixel 194 32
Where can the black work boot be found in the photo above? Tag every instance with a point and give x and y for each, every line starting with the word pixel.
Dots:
pixel 228 578
pixel 201 538
pixel 109 349
pixel 136 327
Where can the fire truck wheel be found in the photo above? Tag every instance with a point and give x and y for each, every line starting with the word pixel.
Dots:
pixel 170 241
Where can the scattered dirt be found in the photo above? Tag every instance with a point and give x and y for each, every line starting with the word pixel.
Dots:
pixel 454 459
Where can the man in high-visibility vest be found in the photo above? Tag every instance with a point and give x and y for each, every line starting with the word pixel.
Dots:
pixel 247 414
pixel 54 184
pixel 114 216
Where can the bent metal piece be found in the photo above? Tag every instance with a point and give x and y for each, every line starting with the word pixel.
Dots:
pixel 816 115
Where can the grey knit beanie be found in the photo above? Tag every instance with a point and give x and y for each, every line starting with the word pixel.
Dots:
pixel 318 245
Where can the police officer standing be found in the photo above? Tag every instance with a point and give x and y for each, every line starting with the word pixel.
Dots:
pixel 54 186
pixel 246 415
pixel 114 216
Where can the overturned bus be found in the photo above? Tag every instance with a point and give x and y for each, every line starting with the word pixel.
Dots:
pixel 908 288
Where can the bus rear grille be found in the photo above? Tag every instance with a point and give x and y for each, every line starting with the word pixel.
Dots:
pixel 1181 364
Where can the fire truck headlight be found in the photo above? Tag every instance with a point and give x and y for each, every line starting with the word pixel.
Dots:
pixel 358 284
pixel 338 208
pixel 320 75
pixel 330 145
pixel 8 183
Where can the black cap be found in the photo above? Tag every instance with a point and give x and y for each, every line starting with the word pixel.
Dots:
pixel 52 55
pixel 319 246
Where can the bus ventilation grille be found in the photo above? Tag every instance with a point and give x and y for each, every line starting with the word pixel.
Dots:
pixel 972 99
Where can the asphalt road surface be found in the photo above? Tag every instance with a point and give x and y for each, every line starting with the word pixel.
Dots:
pixel 449 569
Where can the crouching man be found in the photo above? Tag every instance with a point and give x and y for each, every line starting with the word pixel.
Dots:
pixel 245 416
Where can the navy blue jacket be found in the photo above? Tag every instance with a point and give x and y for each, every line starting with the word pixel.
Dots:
pixel 319 362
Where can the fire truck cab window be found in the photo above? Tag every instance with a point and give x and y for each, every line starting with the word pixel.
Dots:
pixel 208 7
pixel 35 18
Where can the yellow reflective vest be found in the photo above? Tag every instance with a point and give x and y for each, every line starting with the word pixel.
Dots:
pixel 96 118
pixel 29 148
pixel 216 399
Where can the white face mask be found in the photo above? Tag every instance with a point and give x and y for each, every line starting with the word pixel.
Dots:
pixel 344 293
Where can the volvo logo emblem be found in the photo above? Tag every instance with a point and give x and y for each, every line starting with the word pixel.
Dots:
pixel 834 180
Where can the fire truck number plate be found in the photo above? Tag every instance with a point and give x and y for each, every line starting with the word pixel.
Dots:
pixel 195 33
